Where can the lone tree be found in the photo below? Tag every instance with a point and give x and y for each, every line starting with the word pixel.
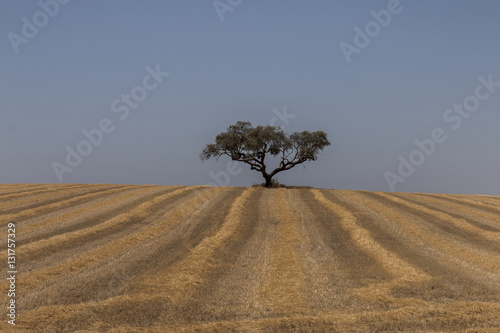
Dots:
pixel 245 143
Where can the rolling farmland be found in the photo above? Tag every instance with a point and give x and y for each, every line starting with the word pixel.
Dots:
pixel 123 258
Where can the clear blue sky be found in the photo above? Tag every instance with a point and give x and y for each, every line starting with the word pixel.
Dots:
pixel 264 55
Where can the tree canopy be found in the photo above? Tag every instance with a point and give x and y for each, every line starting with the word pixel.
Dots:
pixel 244 143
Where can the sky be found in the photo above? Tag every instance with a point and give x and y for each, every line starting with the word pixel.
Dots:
pixel 130 92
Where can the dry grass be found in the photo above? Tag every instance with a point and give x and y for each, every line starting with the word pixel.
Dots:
pixel 13 217
pixel 284 289
pixel 107 258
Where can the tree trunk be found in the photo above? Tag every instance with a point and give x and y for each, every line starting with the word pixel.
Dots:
pixel 268 180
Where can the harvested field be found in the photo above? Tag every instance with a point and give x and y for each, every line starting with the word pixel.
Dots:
pixel 123 258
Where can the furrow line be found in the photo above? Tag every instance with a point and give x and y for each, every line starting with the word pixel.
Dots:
pixel 29 202
pixel 16 217
pixel 234 288
pixel 80 218
pixel 464 256
pixel 401 236
pixel 455 317
pixel 83 261
pixel 141 211
pixel 45 190
pixel 362 238
pixel 403 273
pixel 285 288
pixel 123 260
pixel 213 292
pixel 491 208
pixel 478 217
pixel 358 265
pixel 460 224
pixel 174 283
pixel 487 199
pixel 491 200
pixel 335 265
pixel 11 189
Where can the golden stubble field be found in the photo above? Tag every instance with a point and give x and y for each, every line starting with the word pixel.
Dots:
pixel 116 258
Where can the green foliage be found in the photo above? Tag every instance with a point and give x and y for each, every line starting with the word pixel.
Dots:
pixel 245 143
pixel 274 184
